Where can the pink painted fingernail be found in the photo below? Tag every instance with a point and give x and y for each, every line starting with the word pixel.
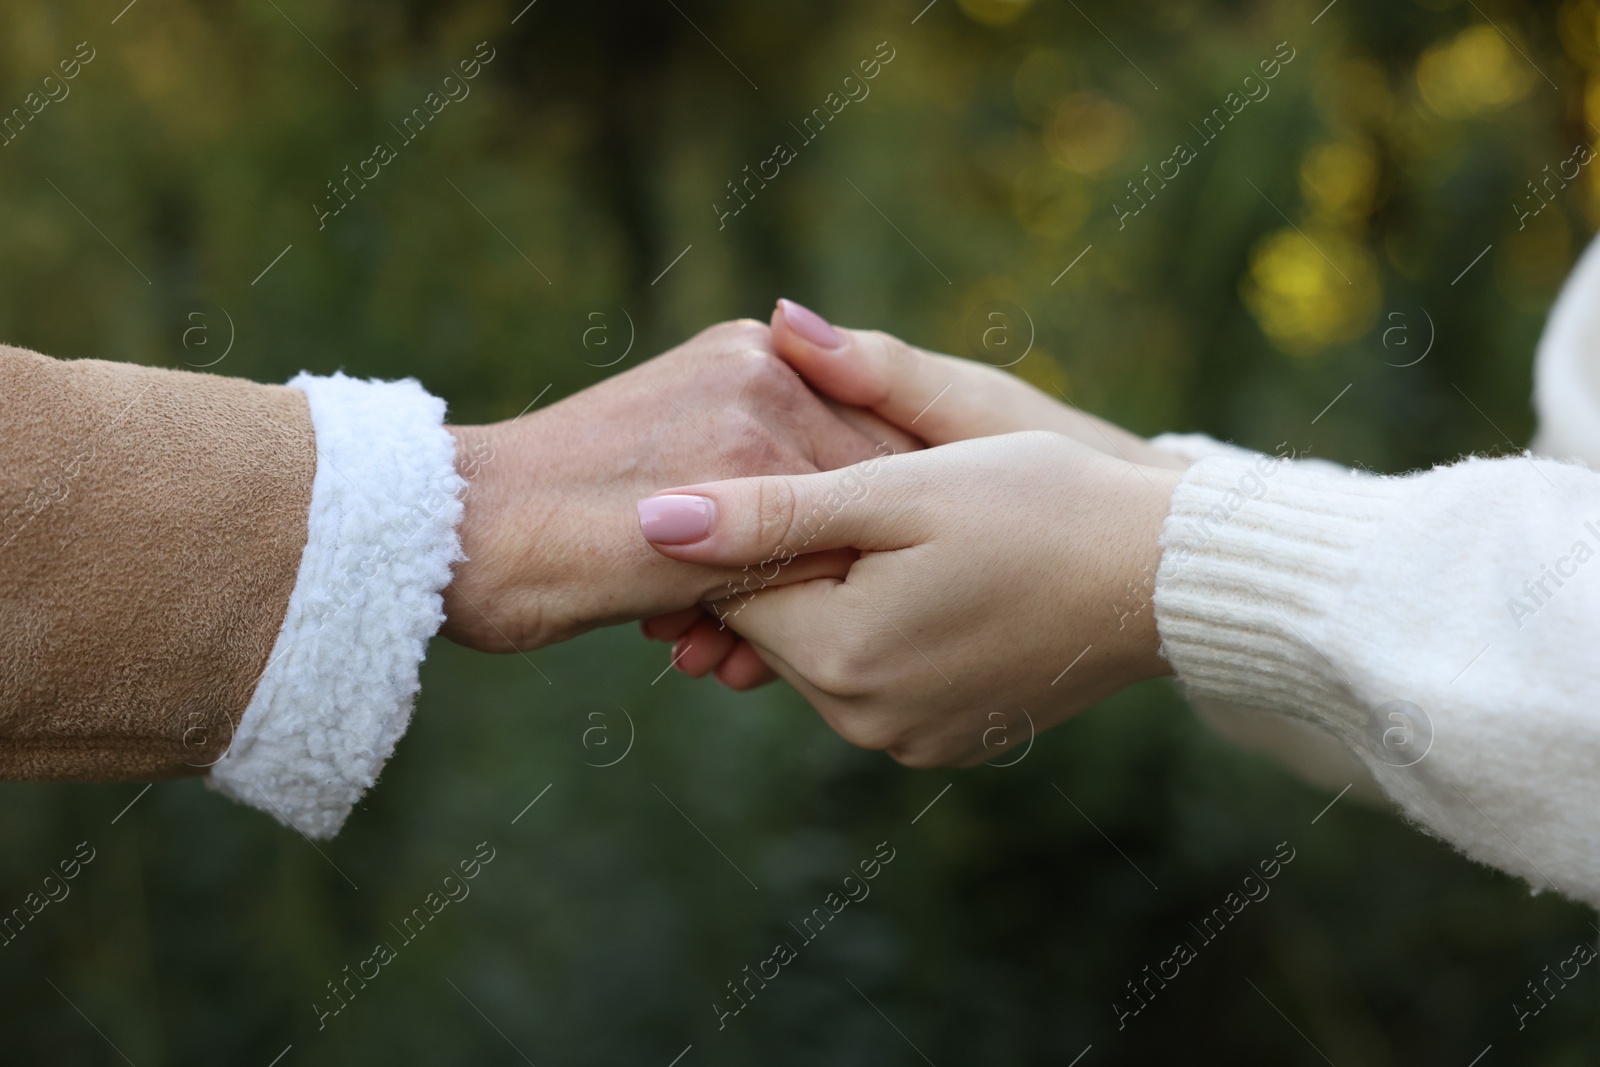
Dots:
pixel 677 520
pixel 810 325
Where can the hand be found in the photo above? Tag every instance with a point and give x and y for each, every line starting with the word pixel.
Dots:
pixel 551 542
pixel 938 398
pixel 990 581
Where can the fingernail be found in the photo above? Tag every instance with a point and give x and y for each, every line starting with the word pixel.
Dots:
pixel 679 647
pixel 677 520
pixel 810 325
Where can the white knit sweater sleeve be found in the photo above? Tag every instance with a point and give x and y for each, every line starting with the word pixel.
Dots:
pixel 1431 632
pixel 1440 626
pixel 381 537
pixel 1313 754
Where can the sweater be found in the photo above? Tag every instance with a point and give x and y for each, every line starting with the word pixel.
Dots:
pixel 1428 635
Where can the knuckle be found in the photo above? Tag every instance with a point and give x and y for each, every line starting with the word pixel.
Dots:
pixel 743 368
pixel 895 353
pixel 750 443
pixel 891 345
pixel 775 508
pixel 747 326
pixel 736 338
pixel 891 362
pixel 841 667
pixel 868 731
pixel 765 377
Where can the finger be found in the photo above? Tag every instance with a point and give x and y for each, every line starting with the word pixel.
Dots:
pixel 672 625
pixel 785 628
pixel 874 506
pixel 797 614
pixel 782 624
pixel 703 648
pixel 839 435
pixel 743 669
pixel 938 398
pixel 781 570
pixel 884 436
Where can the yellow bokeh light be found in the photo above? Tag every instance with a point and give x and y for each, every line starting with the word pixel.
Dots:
pixel 1090 132
pixel 1311 291
pixel 1474 73
pixel 1591 100
pixel 1339 180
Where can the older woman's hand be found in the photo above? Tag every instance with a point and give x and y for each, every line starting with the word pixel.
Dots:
pixel 551 550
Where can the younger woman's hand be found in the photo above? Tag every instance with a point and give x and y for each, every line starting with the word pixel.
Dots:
pixel 937 398
pixel 988 585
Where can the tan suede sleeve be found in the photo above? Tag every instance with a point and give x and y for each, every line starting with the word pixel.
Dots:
pixel 151 528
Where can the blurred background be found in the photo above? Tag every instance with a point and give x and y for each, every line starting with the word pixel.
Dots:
pixel 1354 263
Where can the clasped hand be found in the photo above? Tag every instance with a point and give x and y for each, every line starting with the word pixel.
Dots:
pixel 908 592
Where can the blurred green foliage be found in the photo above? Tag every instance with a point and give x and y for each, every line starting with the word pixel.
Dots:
pixel 1252 289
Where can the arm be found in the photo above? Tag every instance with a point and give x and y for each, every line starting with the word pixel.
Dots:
pixel 151 528
pixel 945 399
pixel 1438 625
pixel 1364 629
pixel 206 575
pixel 212 576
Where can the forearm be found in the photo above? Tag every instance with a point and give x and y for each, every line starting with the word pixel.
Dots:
pixel 207 575
pixel 151 527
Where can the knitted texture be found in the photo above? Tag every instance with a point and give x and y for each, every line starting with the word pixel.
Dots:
pixel 1307 750
pixel 1434 624
pixel 338 690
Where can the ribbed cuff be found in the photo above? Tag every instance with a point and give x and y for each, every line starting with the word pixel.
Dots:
pixel 337 692
pixel 1256 552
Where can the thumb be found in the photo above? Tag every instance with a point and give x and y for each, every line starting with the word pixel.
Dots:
pixel 872 506
pixel 939 398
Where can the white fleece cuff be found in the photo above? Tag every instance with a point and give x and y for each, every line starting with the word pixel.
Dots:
pixel 337 693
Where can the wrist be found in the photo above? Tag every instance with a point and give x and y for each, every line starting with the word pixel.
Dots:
pixel 540 536
pixel 1137 636
pixel 1154 455
pixel 472 600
